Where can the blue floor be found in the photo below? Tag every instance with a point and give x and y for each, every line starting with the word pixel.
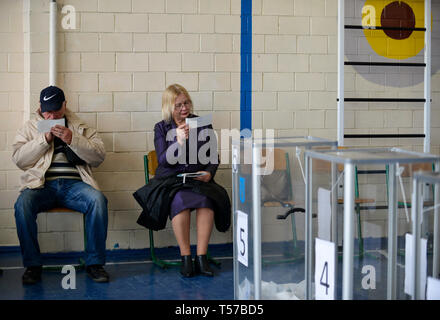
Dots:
pixel 135 277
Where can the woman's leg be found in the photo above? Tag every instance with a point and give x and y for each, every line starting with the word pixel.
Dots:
pixel 205 223
pixel 181 223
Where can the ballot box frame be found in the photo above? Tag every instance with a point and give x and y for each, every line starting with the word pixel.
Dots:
pixel 419 180
pixel 351 157
pixel 257 145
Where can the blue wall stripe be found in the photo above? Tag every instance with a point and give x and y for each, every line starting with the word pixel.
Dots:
pixel 246 65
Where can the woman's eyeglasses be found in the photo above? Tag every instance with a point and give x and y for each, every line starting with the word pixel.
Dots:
pixel 186 103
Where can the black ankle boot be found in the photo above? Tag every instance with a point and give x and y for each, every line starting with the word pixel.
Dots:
pixel 187 267
pixel 201 266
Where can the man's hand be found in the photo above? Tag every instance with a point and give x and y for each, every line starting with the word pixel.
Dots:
pixel 49 137
pixel 204 178
pixel 63 133
pixel 182 133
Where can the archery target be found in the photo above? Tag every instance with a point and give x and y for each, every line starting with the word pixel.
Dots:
pixel 394 44
pixel 391 45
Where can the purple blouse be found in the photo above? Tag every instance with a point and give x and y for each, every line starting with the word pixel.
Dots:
pixel 162 145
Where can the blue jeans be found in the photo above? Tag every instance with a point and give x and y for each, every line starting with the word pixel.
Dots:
pixel 68 193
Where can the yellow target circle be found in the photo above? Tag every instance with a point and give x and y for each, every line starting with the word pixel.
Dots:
pixel 392 43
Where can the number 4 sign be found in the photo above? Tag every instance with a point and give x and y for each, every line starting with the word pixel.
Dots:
pixel 324 270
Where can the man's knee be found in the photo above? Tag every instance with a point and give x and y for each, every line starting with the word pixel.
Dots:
pixel 24 204
pixel 99 200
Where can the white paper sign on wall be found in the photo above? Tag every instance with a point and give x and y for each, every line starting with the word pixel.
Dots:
pixel 325 275
pixel 242 237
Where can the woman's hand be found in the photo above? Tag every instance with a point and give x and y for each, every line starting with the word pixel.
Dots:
pixel 182 133
pixel 204 178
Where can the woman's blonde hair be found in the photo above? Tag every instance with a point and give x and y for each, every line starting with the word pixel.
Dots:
pixel 169 98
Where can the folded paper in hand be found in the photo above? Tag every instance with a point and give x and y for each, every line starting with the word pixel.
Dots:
pixel 198 122
pixel 190 175
pixel 45 125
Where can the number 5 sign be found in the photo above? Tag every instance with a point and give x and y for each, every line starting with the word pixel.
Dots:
pixel 324 270
pixel 242 237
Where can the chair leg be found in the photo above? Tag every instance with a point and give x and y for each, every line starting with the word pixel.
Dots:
pixel 292 216
pixel 214 261
pixel 360 239
pixel 161 263
pixel 81 262
pixel 164 264
pixel 295 256
pixel 156 261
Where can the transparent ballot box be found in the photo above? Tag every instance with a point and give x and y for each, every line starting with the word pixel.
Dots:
pixel 268 192
pixel 355 247
pixel 424 242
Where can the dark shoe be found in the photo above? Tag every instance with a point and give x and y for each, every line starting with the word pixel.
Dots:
pixel 32 275
pixel 187 266
pixel 97 273
pixel 201 265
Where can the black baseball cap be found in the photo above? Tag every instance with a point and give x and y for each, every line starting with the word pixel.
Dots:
pixel 51 99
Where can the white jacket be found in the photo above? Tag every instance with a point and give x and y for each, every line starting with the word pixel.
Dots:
pixel 33 155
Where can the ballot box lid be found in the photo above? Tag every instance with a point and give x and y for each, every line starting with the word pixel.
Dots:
pixel 371 156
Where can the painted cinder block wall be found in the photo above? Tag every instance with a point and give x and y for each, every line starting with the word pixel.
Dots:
pixel 122 54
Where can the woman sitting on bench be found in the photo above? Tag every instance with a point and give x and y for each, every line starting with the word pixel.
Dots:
pixel 175 151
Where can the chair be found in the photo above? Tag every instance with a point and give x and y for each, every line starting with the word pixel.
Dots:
pixel 358 201
pixel 282 197
pixel 150 166
pixel 406 173
pixel 325 166
pixel 282 164
pixel 82 263
pixel 401 204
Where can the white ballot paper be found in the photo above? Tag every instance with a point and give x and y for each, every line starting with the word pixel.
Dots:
pixel 324 214
pixel 423 268
pixel 191 175
pixel 199 121
pixel 45 125
pixel 433 289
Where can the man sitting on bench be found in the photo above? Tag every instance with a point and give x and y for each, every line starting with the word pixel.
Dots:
pixel 57 173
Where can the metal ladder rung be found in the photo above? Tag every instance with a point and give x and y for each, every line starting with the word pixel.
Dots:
pixel 389 64
pixel 379 135
pixel 383 28
pixel 382 100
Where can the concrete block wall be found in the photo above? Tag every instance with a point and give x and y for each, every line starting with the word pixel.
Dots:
pixel 121 55
pixel 12 81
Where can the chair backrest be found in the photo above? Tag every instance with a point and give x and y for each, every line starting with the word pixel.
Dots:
pixel 278 185
pixel 279 161
pixel 279 158
pixel 323 166
pixel 150 164
pixel 409 169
